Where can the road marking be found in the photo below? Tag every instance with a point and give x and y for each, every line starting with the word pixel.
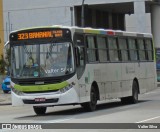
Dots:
pixel 148 119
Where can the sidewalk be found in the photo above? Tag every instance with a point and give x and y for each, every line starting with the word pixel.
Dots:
pixel 5 99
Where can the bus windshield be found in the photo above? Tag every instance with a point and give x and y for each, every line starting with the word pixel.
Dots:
pixel 33 60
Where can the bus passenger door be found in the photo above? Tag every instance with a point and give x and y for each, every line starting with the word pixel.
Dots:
pixel 80 64
pixel 80 61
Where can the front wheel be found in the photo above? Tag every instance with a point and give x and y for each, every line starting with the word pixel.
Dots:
pixel 134 97
pixel 40 110
pixel 91 106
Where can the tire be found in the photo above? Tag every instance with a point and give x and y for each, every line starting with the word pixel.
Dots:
pixel 134 98
pixel 91 106
pixel 40 110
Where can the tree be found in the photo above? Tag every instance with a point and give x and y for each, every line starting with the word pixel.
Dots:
pixel 2 65
pixel 5 62
pixel 8 57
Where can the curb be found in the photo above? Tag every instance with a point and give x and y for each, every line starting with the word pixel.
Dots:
pixel 2 104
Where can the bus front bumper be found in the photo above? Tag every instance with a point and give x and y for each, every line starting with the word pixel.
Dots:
pixel 46 99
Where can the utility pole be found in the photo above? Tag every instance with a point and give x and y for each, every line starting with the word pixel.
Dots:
pixel 82 14
pixel 9 22
pixel 71 9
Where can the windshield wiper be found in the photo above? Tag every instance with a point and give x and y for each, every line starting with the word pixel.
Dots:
pixel 67 71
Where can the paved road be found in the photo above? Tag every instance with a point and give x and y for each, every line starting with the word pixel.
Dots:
pixel 146 111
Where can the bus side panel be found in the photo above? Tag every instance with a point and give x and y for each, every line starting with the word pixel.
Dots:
pixel 115 80
pixel 108 78
pixel 146 76
pixel 128 74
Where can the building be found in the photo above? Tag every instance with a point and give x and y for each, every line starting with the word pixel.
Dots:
pixel 130 15
pixel 1 28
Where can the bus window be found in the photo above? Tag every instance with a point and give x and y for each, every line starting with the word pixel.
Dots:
pixel 92 50
pixel 149 49
pixel 79 39
pixel 133 49
pixel 102 49
pixel 141 50
pixel 113 49
pixel 123 49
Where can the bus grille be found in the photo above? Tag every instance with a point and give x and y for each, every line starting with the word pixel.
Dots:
pixel 33 92
pixel 33 82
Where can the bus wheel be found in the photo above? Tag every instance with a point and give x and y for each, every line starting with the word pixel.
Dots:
pixel 134 97
pixel 40 110
pixel 91 106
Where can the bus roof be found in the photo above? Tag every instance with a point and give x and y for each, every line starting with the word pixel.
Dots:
pixel 97 31
pixel 112 32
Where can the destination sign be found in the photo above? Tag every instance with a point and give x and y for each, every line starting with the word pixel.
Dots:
pixel 40 34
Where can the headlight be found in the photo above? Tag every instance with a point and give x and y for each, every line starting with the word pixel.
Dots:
pixel 65 89
pixel 16 91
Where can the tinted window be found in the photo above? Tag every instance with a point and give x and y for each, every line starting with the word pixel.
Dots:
pixel 113 49
pixel 141 51
pixel 92 50
pixel 102 49
pixel 123 48
pixel 149 49
pixel 132 49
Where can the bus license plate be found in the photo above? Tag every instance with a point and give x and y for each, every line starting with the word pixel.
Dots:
pixel 39 99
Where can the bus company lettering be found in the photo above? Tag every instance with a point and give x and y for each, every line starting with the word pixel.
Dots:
pixel 40 35
pixel 51 71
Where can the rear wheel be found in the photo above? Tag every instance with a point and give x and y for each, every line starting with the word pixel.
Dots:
pixel 40 110
pixel 134 98
pixel 91 106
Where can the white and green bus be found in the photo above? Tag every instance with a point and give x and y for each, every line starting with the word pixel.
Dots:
pixel 60 65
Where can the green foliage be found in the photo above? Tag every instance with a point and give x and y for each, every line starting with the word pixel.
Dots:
pixel 5 61
pixel 2 65
pixel 8 57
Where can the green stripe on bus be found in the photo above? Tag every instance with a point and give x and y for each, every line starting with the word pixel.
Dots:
pixel 37 88
pixel 91 31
